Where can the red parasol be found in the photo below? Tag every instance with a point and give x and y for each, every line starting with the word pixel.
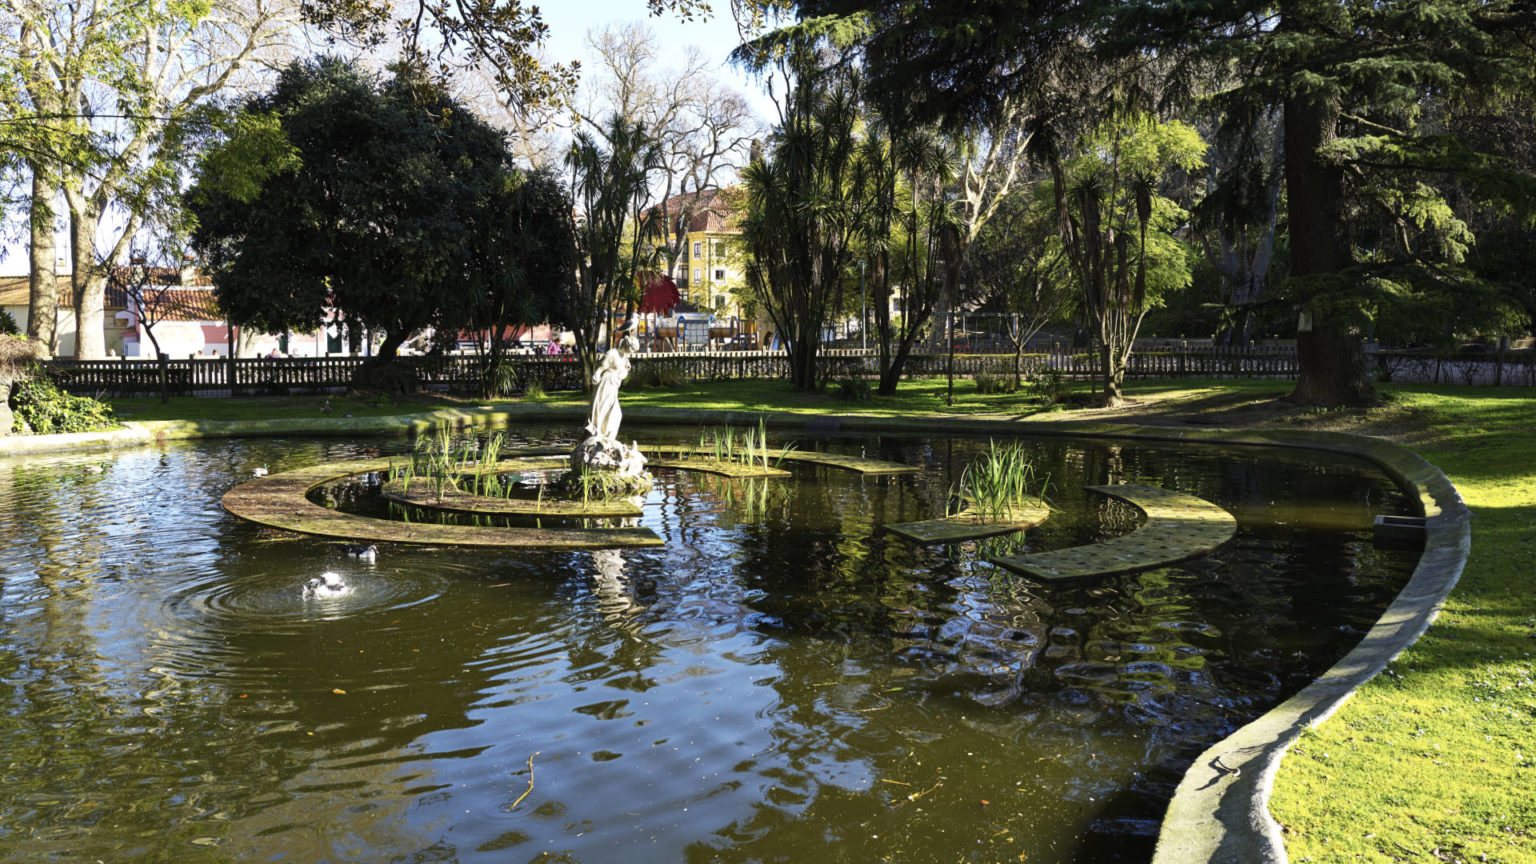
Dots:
pixel 659 294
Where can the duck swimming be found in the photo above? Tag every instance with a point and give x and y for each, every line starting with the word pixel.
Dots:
pixel 325 586
pixel 362 553
pixel 259 472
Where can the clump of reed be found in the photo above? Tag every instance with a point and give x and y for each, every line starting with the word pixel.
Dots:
pixel 721 443
pixel 468 467
pixel 1001 480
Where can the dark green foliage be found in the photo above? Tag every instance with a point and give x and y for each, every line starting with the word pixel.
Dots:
pixel 522 261
pixel 8 324
pixel 382 216
pixel 854 390
pixel 45 409
pixel 989 384
pixel 655 373
pixel 1366 97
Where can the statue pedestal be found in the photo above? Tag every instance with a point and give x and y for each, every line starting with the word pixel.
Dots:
pixel 618 468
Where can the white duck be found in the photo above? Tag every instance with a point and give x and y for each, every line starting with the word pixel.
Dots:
pixel 260 472
pixel 325 586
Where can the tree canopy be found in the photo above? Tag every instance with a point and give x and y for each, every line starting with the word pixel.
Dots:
pixel 361 195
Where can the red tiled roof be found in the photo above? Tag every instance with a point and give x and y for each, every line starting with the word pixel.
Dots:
pixel 186 304
pixel 17 291
pixel 711 209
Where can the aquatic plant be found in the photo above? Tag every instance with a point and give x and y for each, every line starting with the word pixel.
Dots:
pixel 999 481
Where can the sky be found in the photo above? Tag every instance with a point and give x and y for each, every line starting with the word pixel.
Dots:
pixel 568 22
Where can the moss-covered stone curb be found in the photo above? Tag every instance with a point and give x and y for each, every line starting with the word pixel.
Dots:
pixel 857 464
pixel 1220 810
pixel 421 492
pixel 972 525
pixel 1178 527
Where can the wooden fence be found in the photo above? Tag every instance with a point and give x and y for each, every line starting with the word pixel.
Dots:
pixel 275 376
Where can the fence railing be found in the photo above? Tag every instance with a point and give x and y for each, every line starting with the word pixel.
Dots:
pixel 276 376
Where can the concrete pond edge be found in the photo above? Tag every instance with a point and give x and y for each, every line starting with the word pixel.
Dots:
pixel 1220 811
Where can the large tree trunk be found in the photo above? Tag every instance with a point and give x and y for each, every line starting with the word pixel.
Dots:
pixel 1328 351
pixel 43 305
pixel 90 284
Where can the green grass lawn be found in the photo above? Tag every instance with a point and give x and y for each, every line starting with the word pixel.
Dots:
pixel 1436 759
pixel 1433 761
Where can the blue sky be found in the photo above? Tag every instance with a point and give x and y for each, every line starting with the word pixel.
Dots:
pixel 568 24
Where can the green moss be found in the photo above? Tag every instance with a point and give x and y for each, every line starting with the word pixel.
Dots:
pixel 971 525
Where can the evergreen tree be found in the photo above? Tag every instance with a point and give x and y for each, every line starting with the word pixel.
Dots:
pixel 342 192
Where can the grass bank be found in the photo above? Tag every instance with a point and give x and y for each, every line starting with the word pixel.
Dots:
pixel 1433 761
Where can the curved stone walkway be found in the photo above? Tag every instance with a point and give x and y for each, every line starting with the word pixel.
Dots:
pixel 1178 527
pixel 280 501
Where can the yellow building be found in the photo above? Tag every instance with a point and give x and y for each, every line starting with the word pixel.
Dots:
pixel 708 272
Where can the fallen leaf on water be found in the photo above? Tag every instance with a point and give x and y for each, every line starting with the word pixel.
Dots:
pixel 338 691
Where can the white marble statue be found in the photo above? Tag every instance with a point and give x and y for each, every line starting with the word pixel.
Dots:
pixel 602 449
pixel 611 372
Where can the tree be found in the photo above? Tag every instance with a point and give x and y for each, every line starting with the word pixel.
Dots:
pixel 370 215
pixel 1116 230
pixel 1236 222
pixel 1350 82
pixel 912 233
pixel 115 87
pixel 702 128
pixel 523 262
pixel 614 229
pixel 803 208
pixel 148 285
pixel 1016 265
pixel 443 40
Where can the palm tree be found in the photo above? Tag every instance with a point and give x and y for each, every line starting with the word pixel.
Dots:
pixel 617 235
pixel 803 207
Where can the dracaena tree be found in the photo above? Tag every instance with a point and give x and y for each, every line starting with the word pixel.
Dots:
pixel 616 232
pixel 803 206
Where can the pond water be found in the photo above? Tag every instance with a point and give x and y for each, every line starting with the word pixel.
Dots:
pixel 781 681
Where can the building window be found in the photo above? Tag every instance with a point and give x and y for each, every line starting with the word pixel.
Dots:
pixel 698 248
pixel 720 301
pixel 720 275
pixel 696 274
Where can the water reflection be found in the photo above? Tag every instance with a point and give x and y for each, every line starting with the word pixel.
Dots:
pixel 782 680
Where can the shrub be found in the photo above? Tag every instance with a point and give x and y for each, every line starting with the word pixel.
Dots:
pixel 987 384
pixel 8 326
pixel 534 389
pixel 1050 385
pixel 853 390
pixel 657 374
pixel 498 379
pixel 43 408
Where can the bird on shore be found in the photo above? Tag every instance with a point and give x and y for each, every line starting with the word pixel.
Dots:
pixel 325 586
pixel 260 472
pixel 369 553
pixel 326 408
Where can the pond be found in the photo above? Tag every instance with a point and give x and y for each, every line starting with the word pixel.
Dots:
pixel 780 681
